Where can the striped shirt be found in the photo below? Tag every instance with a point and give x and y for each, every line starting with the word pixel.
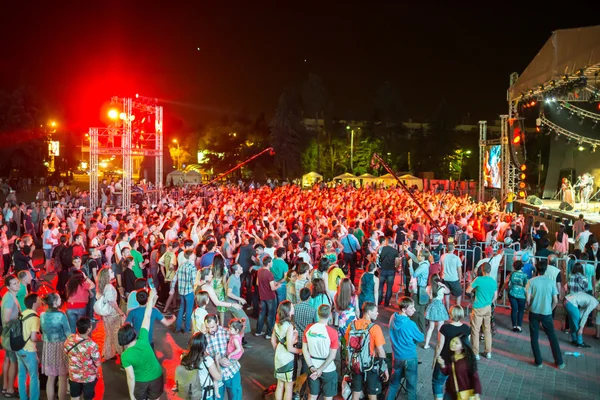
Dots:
pixel 184 278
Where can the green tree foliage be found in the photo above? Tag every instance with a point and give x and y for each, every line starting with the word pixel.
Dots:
pixel 23 135
pixel 314 103
pixel 288 135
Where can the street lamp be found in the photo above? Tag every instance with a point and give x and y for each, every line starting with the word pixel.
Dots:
pixel 177 161
pixel 83 138
pixel 348 128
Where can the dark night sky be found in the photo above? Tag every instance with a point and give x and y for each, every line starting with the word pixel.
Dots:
pixel 78 55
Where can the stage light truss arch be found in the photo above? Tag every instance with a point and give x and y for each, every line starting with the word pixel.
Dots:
pixel 579 111
pixel 562 131
pixel 118 139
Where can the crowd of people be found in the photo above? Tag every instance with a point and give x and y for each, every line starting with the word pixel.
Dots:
pixel 312 266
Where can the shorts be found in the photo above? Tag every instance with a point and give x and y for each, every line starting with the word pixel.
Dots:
pixel 455 288
pixel 372 383
pixel 149 390
pixel 11 355
pixel 326 384
pixel 87 388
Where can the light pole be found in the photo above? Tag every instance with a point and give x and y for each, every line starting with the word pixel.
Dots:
pixel 351 147
pixel 177 162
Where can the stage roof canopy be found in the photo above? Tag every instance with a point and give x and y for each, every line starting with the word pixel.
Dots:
pixel 566 52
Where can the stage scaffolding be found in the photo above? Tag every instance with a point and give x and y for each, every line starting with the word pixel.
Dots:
pixel 127 138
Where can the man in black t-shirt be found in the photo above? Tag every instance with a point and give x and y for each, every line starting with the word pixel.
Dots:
pixel 389 259
pixel 245 260
pixel 401 233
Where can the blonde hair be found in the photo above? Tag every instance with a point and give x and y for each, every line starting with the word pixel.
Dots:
pixel 103 279
pixel 457 313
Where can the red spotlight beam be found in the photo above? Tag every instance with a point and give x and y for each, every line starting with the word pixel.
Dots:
pixel 268 149
pixel 379 160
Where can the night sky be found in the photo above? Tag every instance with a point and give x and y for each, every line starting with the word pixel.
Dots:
pixel 78 55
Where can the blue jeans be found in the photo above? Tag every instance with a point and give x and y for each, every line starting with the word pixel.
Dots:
pixel 73 314
pixel 407 369
pixel 438 380
pixel 386 277
pixel 28 365
pixel 187 302
pixel 534 333
pixel 281 293
pixel 517 308
pixel 233 387
pixel 574 319
pixel 267 308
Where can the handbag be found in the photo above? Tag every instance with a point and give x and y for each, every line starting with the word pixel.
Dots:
pixel 102 307
pixel 463 394
pixel 423 296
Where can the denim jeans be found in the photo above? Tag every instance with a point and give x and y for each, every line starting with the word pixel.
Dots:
pixel 187 302
pixel 91 302
pixel 407 369
pixel 534 333
pixel 73 314
pixel 233 387
pixel 28 365
pixel 574 320
pixel 241 314
pixel 267 308
pixel 386 277
pixel 438 380
pixel 517 308
pixel 281 293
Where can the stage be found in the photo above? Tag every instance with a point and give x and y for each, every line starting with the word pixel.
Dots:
pixel 549 213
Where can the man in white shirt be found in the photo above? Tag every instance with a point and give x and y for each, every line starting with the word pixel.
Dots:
pixel 583 237
pixel 452 273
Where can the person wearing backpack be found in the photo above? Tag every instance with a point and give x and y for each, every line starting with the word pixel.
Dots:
pixel 198 376
pixel 145 378
pixel 366 355
pixel 10 312
pixel 404 336
pixel 27 356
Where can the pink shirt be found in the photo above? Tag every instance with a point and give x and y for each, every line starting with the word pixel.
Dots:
pixel 233 339
pixel 82 295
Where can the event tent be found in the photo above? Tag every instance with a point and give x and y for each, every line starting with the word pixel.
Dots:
pixel 193 177
pixel 566 52
pixel 311 178
pixel 410 180
pixel 175 177
pixel 345 177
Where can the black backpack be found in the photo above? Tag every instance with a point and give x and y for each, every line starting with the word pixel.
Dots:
pixel 12 333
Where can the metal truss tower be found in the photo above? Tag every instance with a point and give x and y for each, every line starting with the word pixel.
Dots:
pixel 482 146
pixel 118 140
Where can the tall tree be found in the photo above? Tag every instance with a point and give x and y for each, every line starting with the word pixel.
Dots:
pixel 314 99
pixel 288 134
pixel 23 134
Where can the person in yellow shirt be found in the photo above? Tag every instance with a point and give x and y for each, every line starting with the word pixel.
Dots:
pixel 510 198
pixel 27 356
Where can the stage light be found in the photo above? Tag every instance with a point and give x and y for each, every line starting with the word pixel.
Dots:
pixel 581 121
pixel 137 96
pixel 523 167
pixel 521 185
pixel 565 78
pixel 557 137
pixel 532 103
pixel 522 194
pixel 581 148
pixel 594 124
pixel 522 176
pixel 537 128
pixel 517 139
pixel 113 114
pixel 593 148
pixel 122 116
pixel 570 115
pixel 580 72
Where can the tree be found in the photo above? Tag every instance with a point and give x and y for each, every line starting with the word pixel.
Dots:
pixel 287 133
pixel 23 134
pixel 314 100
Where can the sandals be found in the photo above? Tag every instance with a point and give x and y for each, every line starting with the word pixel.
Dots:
pixel 14 394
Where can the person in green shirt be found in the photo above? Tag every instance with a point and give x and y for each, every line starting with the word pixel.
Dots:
pixel 138 259
pixel 145 378
pixel 24 279
pixel 486 292
pixel 279 269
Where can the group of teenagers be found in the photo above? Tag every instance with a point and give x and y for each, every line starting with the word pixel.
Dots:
pixel 284 255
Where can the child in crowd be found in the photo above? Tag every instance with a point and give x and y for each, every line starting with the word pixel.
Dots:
pixel 200 312
pixel 436 312
pixel 236 331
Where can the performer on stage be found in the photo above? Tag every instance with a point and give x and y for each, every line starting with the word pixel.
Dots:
pixel 587 187
pixel 567 191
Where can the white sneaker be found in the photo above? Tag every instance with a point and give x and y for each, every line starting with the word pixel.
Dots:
pixel 477 357
pixel 488 355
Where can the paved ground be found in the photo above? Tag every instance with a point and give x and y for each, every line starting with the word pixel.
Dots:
pixel 508 375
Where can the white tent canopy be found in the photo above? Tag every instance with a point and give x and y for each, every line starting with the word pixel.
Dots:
pixel 345 177
pixel 410 180
pixel 193 177
pixel 311 178
pixel 176 178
